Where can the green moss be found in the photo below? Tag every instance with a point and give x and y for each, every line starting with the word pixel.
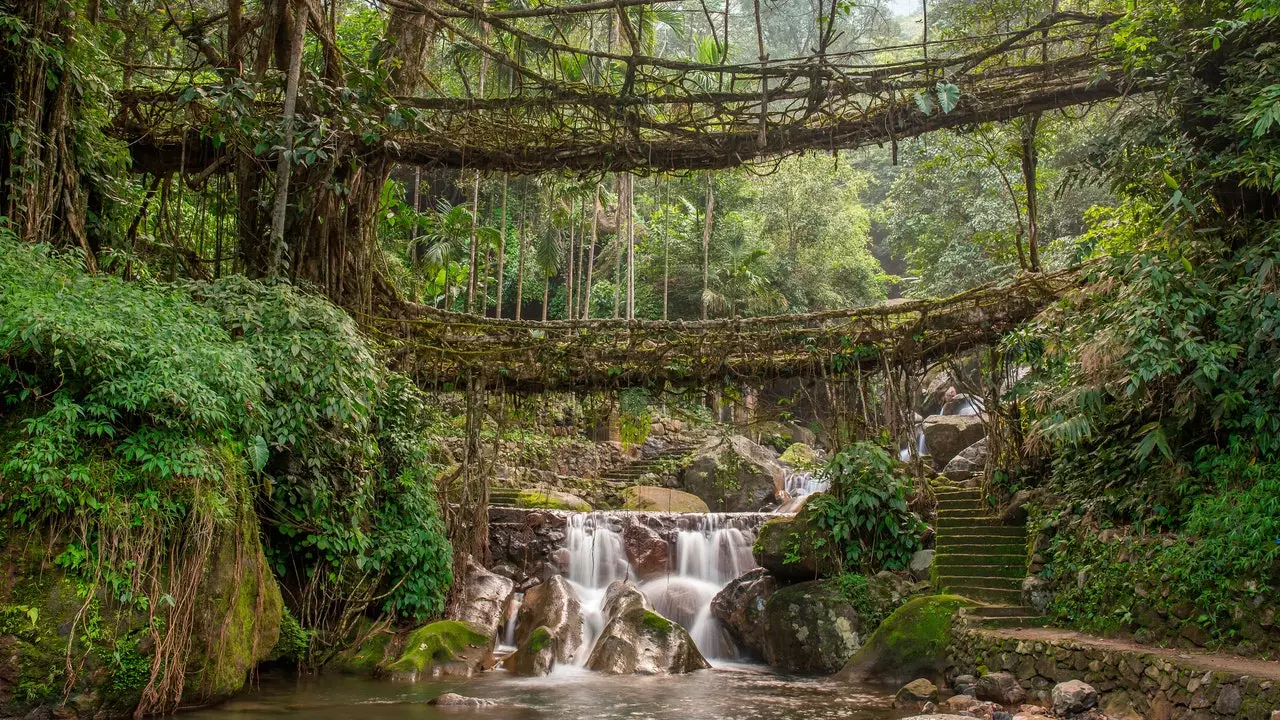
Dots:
pixel 551 500
pixel 657 623
pixel 910 643
pixel 436 643
pixel 539 640
pixel 364 658
pixel 801 456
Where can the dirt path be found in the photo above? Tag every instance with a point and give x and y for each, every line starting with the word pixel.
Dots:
pixel 1199 659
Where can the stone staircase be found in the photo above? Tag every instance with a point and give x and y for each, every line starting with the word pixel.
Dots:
pixel 627 475
pixel 616 479
pixel 980 558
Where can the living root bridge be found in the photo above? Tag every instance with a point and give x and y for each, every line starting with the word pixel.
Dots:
pixel 438 347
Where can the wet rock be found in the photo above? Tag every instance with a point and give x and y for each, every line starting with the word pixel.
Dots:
pixel 968 462
pixel 637 640
pixel 456 700
pixel 921 565
pixel 484 597
pixel 915 693
pixel 1000 687
pixel 960 703
pixel 965 685
pixel 1073 696
pixel 444 648
pixel 947 435
pixel 811 628
pixel 536 656
pixel 552 606
pixel 658 499
pixel 649 554
pixel 961 404
pixel 784 546
pixel 940 717
pixel 910 643
pixel 1015 511
pixel 739 607
pixel 734 474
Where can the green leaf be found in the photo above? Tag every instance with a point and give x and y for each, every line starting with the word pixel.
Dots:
pixel 948 96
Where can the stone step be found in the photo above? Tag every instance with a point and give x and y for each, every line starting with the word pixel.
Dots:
pixel 1016 570
pixel 958 542
pixel 974 521
pixel 950 558
pixel 955 505
pixel 957 495
pixel 958 517
pixel 1020 621
pixel 996 611
pixel 983 594
pixel 979 581
pixel 994 530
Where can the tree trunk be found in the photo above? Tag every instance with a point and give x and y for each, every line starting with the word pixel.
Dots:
pixel 591 260
pixel 631 248
pixel 283 166
pixel 706 240
pixel 1030 159
pixel 502 250
pixel 568 305
pixel 520 270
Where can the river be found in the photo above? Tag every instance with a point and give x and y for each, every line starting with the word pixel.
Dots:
pixel 725 692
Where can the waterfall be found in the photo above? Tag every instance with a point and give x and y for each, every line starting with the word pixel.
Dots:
pixel 710 550
pixel 597 557
pixel 799 485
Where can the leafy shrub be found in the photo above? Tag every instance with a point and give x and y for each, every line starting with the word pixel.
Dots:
pixel 865 510
pixel 136 409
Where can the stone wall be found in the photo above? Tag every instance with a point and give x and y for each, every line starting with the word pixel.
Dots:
pixel 1130 683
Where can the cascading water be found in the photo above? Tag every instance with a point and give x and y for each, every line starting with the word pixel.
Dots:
pixel 799 485
pixel 597 557
pixel 710 550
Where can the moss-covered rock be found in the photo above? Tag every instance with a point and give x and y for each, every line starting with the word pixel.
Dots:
pixel 811 628
pixel 911 643
pixel 49 610
pixel 551 500
pixel 734 474
pixel 371 648
pixel 800 456
pixel 536 657
pixel 659 499
pixel 637 640
pixel 786 547
pixel 443 648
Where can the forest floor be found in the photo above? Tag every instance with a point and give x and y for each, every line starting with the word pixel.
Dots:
pixel 1198 659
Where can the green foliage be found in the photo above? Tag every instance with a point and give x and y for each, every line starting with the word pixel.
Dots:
pixel 294 640
pixel 131 406
pixel 657 623
pixel 865 510
pixel 635 416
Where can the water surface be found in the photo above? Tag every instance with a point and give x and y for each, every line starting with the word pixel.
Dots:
pixel 726 692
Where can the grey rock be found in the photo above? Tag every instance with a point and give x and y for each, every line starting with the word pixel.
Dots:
pixel 739 607
pixel 637 640
pixel 968 462
pixel 1037 594
pixel 456 700
pixel 915 693
pixel 1000 687
pixel 922 564
pixel 734 474
pixel 484 598
pixel 1073 696
pixel 552 605
pixel 946 435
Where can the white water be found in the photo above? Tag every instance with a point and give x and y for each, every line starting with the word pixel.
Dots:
pixel 800 484
pixel 710 550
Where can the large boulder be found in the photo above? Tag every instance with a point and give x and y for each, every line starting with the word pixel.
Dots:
pixel 733 474
pixel 967 463
pixel 921 565
pixel 648 552
pixel 446 648
pixel 536 657
pixel 811 628
pixel 739 607
pixel 659 499
pixel 1073 696
pixel 554 608
pixel 786 547
pixel 484 596
pixel 946 435
pixel 910 643
pixel 637 640
pixel 233 617
pixel 1000 687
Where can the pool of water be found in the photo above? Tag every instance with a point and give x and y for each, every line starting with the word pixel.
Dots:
pixel 726 692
